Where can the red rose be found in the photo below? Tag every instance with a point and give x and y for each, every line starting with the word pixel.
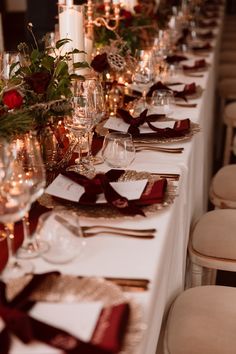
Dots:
pixel 12 99
pixel 100 63
pixel 39 81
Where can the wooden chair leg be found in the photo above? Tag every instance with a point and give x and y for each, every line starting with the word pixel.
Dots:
pixel 228 144
pixel 196 275
pixel 209 276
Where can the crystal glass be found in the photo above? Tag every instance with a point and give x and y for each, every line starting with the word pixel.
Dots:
pixel 8 64
pixel 29 154
pixel 14 204
pixel 82 121
pixel 99 114
pixel 61 230
pixel 118 149
pixel 144 73
pixel 162 102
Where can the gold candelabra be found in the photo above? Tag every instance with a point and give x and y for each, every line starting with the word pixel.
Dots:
pixel 110 20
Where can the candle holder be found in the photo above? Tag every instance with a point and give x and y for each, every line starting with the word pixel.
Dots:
pixel 110 19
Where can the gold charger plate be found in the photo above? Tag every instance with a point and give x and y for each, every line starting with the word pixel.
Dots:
pixel 66 288
pixel 105 210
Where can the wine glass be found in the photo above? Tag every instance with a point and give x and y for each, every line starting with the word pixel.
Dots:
pixel 14 203
pixel 118 149
pixel 144 73
pixel 9 63
pixel 81 121
pixel 29 155
pixel 97 96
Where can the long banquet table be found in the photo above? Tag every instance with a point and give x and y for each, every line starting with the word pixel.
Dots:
pixel 162 260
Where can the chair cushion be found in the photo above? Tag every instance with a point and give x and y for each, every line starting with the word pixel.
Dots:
pixel 230 113
pixel 224 183
pixel 227 88
pixel 202 320
pixel 214 235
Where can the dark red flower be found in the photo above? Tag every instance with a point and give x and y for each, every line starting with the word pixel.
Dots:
pixel 39 81
pixel 138 9
pixel 100 63
pixel 12 99
pixel 127 15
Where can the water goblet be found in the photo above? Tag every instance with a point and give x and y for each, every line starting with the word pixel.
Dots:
pixel 14 203
pixel 29 154
pixel 162 101
pixel 144 73
pixel 118 149
pixel 9 62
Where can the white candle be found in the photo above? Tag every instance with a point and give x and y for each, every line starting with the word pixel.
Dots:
pixel 88 49
pixel 69 3
pixel 130 4
pixel 71 26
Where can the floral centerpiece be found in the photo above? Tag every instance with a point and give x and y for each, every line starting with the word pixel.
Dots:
pixel 38 90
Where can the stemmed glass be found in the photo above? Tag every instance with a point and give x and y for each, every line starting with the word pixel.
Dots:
pixel 81 121
pixel 97 96
pixel 144 72
pixel 14 203
pixel 29 155
pixel 7 59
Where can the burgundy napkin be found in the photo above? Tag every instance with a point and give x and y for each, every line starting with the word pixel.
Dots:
pixel 206 24
pixel 180 127
pixel 207 35
pixel 154 193
pixel 136 122
pixel 188 90
pixel 198 64
pixel 101 184
pixel 109 337
pixel 112 322
pixel 206 46
pixel 170 59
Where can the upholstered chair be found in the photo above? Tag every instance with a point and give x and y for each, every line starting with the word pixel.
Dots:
pixel 202 320
pixel 212 246
pixel 223 188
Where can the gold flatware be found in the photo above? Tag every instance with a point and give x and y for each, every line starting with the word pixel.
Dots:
pixel 117 233
pixel 89 231
pixel 130 284
pixel 158 148
pixel 193 75
pixel 190 105
pixel 114 228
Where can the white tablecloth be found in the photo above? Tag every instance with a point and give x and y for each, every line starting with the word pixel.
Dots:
pixel 162 259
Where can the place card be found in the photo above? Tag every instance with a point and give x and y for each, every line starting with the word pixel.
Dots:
pixel 78 319
pixel 65 188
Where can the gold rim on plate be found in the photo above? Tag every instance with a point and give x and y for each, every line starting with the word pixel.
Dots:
pixel 105 210
pixel 66 288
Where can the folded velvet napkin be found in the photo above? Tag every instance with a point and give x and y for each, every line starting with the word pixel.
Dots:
pixel 171 59
pixel 206 23
pixel 207 35
pixel 198 64
pixel 180 128
pixel 206 46
pixel 101 184
pixel 189 89
pixel 107 337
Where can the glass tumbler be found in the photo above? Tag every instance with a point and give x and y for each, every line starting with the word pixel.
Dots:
pixel 118 149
